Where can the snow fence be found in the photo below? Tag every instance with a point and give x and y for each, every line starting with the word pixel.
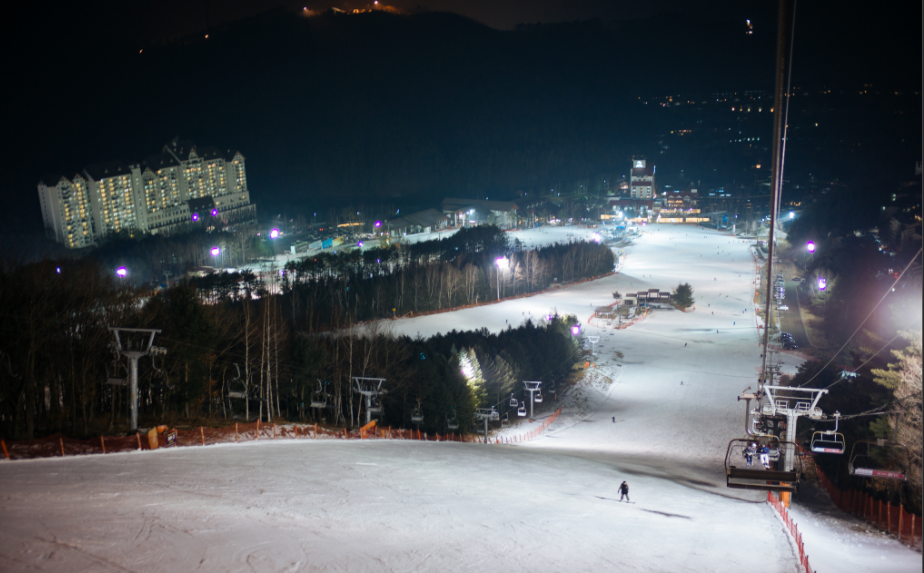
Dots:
pixel 530 434
pixel 885 516
pixel 792 528
pixel 58 445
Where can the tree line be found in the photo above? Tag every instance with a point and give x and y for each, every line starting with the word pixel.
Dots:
pixel 279 343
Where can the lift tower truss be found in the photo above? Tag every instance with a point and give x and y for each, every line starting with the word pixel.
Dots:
pixel 133 350
pixel 371 388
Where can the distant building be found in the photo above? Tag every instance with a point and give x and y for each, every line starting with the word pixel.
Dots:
pixel 641 180
pixel 179 186
pixel 422 222
pixel 463 212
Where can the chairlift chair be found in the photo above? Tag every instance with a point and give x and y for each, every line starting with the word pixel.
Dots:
pixel 521 411
pixel 452 422
pixel 829 441
pixel 863 464
pixel 505 421
pixel 417 416
pixel 756 477
pixel 376 406
pixel 538 398
pixel 319 397
pixel 513 401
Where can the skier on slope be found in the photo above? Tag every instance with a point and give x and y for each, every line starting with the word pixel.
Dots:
pixel 749 453
pixel 624 491
pixel 764 452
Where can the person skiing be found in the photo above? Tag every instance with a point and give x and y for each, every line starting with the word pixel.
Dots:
pixel 749 453
pixel 624 491
pixel 764 452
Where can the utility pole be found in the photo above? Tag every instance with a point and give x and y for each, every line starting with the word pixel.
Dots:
pixel 133 354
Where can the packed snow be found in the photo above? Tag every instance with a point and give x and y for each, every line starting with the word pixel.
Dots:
pixel 546 505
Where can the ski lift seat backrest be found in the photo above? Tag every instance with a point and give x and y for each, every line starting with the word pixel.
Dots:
pixel 823 443
pixel 538 398
pixel 521 411
pixel 513 401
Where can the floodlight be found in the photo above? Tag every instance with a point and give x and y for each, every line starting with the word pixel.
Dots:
pixel 822 283
pixel 810 246
pixel 122 271
pixel 216 251
pixel 274 234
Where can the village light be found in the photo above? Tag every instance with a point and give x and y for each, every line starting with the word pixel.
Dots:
pixel 810 246
pixel 122 271
pixel 822 283
pixel 274 234
pixel 576 329
pixel 502 264
pixel 216 251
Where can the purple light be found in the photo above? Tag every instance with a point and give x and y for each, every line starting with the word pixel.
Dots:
pixel 195 216
pixel 214 212
pixel 822 283
pixel 274 234
pixel 810 246
pixel 575 330
pixel 122 271
pixel 378 224
pixel 360 243
pixel 216 251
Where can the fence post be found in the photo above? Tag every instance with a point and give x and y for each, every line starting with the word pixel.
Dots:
pixel 202 434
pixel 346 436
pixel 61 440
pixel 315 429
pixel 901 513
pixel 274 430
pixel 5 453
pixel 296 431
pixel 138 435
pixel 235 431
pixel 889 517
pixel 103 443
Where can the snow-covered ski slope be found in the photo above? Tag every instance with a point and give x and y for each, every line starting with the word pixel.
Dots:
pixel 547 505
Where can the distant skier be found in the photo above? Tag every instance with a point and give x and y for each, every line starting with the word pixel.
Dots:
pixel 764 452
pixel 749 453
pixel 624 491
pixel 684 344
pixel 614 419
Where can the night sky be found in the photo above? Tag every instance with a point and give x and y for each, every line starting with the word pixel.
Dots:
pixel 62 61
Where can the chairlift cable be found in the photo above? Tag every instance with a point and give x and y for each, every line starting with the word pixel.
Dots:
pixel 895 282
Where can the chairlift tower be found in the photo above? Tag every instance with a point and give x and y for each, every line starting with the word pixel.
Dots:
pixel 133 354
pixel 371 388
pixel 486 414
pixel 791 402
pixel 531 386
pixel 593 340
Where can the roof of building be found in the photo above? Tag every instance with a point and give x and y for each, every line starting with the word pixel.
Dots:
pixel 640 172
pixel 108 169
pixel 180 147
pixel 397 223
pixel 427 218
pixel 160 161
pixel 230 154
pixel 453 204
pixel 210 152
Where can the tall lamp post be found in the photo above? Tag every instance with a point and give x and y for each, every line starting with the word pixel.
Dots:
pixel 811 249
pixel 122 271
pixel 502 263
pixel 216 252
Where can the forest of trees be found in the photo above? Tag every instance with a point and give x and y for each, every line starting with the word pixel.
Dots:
pixel 280 340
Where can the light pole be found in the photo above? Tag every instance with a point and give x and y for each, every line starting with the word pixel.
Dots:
pixel 811 249
pixel 822 285
pixel 122 271
pixel 216 252
pixel 502 263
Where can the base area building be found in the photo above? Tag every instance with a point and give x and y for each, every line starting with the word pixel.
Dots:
pixel 182 185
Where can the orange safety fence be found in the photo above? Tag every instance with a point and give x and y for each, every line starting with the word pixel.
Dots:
pixel 58 445
pixel 534 433
pixel 792 528
pixel 885 516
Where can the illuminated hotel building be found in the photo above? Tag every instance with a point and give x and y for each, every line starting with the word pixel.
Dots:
pixel 179 186
pixel 642 180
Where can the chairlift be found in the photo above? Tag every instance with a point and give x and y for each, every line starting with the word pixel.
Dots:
pixel 319 397
pixel 513 401
pixel 829 441
pixel 864 463
pixel 241 391
pixel 452 422
pixel 756 477
pixel 521 411
pixel 417 416
pixel 538 398
pixel 505 421
pixel 376 406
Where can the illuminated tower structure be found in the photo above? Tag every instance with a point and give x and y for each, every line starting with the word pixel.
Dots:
pixel 642 180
